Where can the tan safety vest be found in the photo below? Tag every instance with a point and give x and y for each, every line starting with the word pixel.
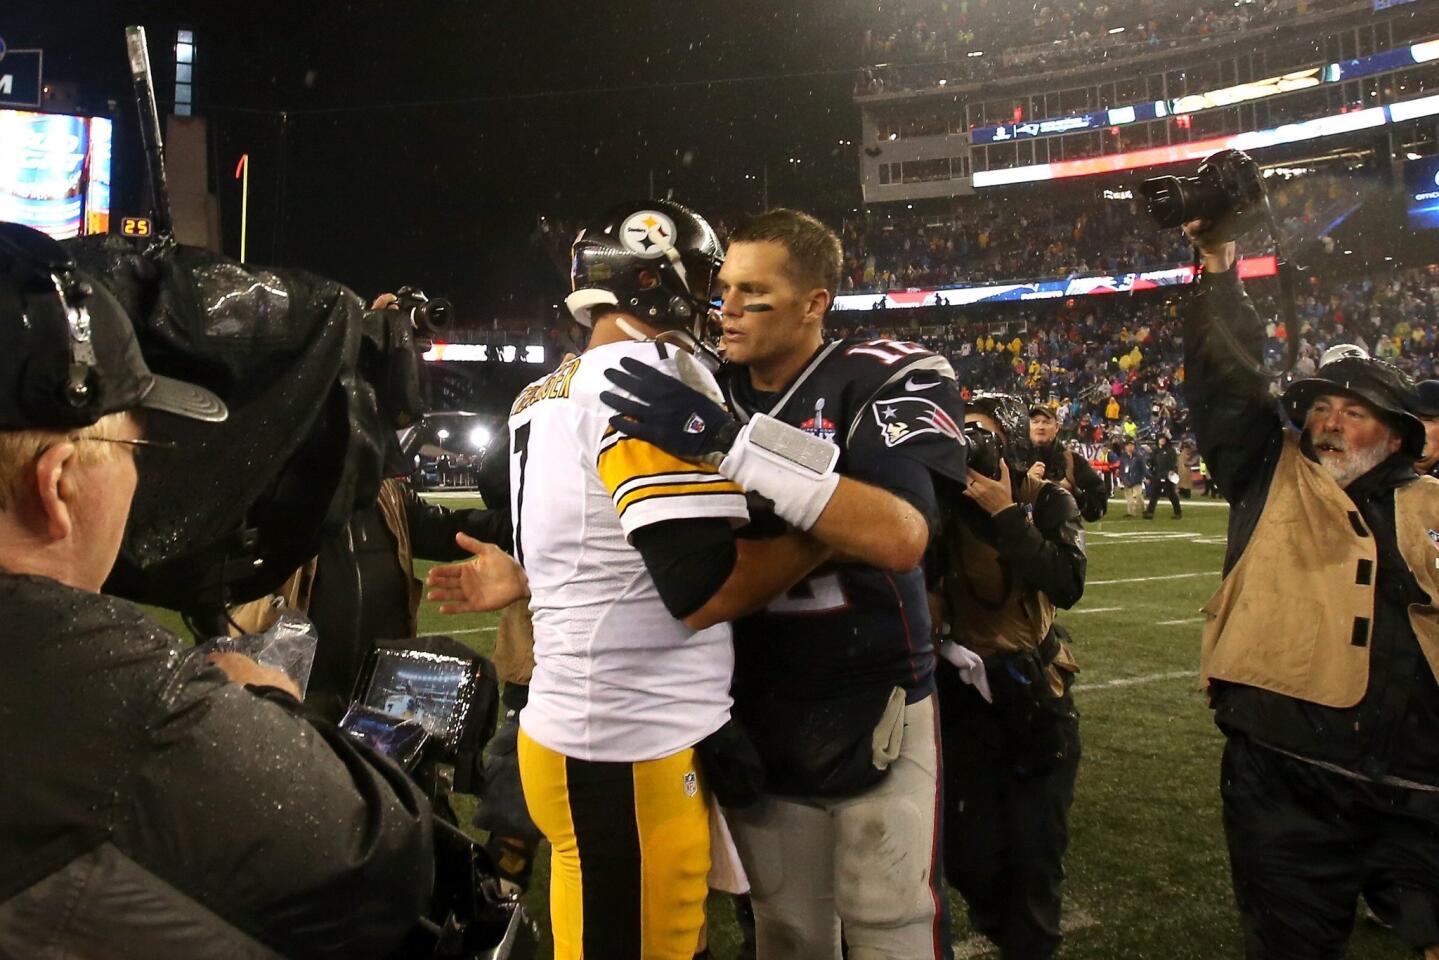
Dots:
pixel 991 613
pixel 1296 614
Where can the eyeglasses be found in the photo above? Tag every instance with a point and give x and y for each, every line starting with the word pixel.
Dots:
pixel 137 444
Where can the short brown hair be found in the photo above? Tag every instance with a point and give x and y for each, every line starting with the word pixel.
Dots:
pixel 815 254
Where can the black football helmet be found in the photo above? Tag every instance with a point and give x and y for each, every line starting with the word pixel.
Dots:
pixel 656 259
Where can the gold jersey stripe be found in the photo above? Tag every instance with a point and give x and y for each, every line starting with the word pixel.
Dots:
pixel 630 458
pixel 726 488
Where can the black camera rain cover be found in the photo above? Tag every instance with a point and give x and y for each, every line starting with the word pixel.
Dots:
pixel 236 507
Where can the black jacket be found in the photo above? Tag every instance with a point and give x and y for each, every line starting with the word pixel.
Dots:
pixel 1090 491
pixel 1046 554
pixel 1163 462
pixel 152 809
pixel 1394 730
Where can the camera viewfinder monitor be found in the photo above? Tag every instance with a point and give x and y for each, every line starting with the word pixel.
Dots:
pixel 432 689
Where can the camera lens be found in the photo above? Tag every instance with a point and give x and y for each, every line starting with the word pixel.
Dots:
pixel 433 315
pixel 1164 200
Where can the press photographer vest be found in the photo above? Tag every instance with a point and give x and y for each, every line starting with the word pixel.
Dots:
pixel 1296 614
pixel 990 610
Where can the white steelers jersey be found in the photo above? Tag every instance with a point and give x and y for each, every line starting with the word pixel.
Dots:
pixel 616 677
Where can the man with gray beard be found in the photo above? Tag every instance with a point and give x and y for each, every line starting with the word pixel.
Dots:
pixel 1321 646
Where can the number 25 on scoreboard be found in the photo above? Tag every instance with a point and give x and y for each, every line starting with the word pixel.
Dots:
pixel 136 226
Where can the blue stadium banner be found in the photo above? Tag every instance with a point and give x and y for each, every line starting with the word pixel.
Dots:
pixel 1386 4
pixel 1058 126
pixel 20 77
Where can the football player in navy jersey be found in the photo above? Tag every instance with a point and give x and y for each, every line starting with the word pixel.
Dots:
pixel 833 682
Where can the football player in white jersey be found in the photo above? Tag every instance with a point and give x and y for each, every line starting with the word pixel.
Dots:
pixel 634 573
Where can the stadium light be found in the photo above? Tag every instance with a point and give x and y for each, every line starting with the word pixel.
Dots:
pixel 443 434
pixel 480 438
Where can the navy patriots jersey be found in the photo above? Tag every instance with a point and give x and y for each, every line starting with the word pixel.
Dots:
pixel 846 636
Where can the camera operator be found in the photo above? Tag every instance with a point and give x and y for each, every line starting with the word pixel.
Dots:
pixel 155 805
pixel 1012 550
pixel 1322 646
pixel 1073 473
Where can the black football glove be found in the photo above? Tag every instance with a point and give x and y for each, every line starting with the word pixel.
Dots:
pixel 668 413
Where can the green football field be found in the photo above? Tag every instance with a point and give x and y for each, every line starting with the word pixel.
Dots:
pixel 1147 869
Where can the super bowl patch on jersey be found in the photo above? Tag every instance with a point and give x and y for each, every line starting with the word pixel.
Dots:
pixel 904 418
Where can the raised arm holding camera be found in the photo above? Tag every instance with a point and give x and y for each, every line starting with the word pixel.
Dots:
pixel 1321 648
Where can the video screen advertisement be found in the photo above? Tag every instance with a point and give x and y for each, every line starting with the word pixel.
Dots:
pixel 55 172
pixel 1421 192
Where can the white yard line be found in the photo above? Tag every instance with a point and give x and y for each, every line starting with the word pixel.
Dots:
pixel 1135 681
pixel 1175 623
pixel 1095 610
pixel 456 633
pixel 1167 576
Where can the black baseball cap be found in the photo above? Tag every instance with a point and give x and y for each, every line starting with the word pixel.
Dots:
pixel 68 353
pixel 1382 386
pixel 1042 409
pixel 1425 402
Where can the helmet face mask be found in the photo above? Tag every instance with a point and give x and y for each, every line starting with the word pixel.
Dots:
pixel 655 260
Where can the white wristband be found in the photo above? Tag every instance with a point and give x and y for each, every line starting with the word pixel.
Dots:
pixel 792 468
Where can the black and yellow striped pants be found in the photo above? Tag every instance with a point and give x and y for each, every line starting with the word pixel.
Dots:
pixel 630 851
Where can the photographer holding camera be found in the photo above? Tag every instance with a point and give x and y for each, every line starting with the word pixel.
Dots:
pixel 1321 649
pixel 156 805
pixel 1011 551
pixel 1062 465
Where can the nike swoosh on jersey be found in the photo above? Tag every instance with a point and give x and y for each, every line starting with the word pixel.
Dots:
pixel 913 387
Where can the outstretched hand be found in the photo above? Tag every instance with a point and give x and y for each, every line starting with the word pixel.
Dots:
pixel 668 413
pixel 490 580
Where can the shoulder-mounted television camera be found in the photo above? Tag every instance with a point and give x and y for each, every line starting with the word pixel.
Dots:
pixel 430 704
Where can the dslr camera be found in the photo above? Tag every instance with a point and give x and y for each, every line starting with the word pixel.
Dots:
pixel 429 315
pixel 1227 190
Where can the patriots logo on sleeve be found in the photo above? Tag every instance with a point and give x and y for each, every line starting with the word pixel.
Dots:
pixel 903 418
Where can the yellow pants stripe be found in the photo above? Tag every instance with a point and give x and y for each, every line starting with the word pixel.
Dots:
pixel 629 852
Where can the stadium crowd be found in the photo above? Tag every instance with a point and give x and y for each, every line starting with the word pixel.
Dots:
pixel 1115 367
pixel 993 240
pixel 960 41
pixel 999 239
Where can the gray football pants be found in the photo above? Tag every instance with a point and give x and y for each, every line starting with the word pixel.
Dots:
pixel 868 861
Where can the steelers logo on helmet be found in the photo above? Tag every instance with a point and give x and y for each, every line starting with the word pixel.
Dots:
pixel 647 233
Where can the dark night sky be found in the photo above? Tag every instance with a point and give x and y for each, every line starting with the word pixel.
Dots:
pixel 555 108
